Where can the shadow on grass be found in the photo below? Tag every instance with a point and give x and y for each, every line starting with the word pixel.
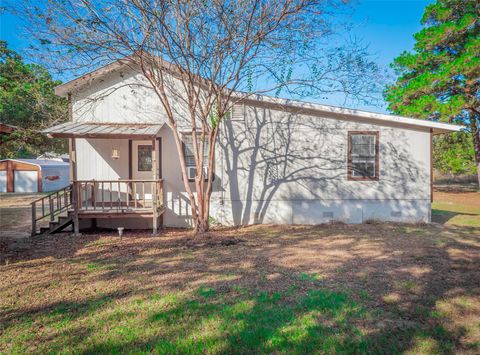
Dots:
pixel 443 216
pixel 284 290
pixel 254 322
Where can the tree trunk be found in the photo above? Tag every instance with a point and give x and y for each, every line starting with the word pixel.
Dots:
pixel 474 126
pixel 476 143
pixel 201 222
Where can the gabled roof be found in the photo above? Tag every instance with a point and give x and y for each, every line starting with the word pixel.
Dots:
pixel 345 113
pixel 66 88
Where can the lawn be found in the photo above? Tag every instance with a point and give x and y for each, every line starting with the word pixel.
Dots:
pixel 459 208
pixel 376 288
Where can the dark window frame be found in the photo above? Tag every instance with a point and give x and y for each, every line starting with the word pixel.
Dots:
pixel 138 157
pixel 350 176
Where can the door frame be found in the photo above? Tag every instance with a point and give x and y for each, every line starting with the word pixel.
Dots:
pixel 130 157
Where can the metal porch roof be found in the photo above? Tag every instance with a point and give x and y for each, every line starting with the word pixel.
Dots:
pixel 103 130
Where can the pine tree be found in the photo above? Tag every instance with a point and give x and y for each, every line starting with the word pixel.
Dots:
pixel 440 80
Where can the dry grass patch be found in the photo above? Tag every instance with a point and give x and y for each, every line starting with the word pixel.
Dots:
pixel 376 288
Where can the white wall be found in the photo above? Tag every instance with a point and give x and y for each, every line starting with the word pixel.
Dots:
pixel 125 96
pixel 280 167
pixel 95 162
pixel 273 167
pixel 94 159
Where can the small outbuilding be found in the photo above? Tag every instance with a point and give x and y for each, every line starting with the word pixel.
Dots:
pixel 33 175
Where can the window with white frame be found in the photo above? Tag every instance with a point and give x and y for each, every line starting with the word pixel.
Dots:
pixel 363 156
pixel 190 157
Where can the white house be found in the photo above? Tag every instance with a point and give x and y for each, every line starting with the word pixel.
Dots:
pixel 278 161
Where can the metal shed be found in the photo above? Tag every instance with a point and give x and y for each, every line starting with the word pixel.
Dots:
pixel 33 175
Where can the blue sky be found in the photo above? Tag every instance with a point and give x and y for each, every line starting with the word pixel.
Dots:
pixel 387 26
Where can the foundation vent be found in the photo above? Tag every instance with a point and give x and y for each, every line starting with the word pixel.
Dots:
pixel 328 214
pixel 396 214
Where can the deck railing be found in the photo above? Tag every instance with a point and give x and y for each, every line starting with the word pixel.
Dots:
pixel 119 195
pixel 50 206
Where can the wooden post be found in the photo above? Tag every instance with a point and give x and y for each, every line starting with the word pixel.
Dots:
pixel 65 198
pixel 34 219
pixel 94 190
pixel 10 177
pixel 51 209
pixel 154 186
pixel 73 162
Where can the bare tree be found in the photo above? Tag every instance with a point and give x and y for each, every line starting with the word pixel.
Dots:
pixel 203 53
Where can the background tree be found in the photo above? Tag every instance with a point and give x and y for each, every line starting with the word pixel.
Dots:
pixel 201 54
pixel 440 80
pixel 454 154
pixel 27 100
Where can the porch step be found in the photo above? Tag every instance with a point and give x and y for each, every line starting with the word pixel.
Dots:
pixel 57 226
pixel 53 206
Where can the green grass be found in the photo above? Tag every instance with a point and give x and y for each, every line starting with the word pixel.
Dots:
pixel 209 321
pixel 454 218
pixel 100 265
pixel 453 213
pixel 406 285
pixel 310 277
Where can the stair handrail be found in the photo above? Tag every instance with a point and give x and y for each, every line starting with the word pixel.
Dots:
pixel 61 198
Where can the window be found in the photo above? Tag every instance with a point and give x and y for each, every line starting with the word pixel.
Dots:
pixel 144 158
pixel 363 156
pixel 190 158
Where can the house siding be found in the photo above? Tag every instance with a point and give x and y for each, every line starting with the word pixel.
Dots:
pixel 281 167
pixel 273 165
pixel 124 97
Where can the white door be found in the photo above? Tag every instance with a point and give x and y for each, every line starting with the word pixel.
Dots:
pixel 142 167
pixel 3 181
pixel 25 181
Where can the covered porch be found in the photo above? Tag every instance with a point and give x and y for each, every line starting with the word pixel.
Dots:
pixel 109 180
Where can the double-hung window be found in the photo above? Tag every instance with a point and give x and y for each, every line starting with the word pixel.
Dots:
pixel 363 155
pixel 190 157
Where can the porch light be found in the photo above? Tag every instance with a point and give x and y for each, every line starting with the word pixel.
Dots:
pixel 115 153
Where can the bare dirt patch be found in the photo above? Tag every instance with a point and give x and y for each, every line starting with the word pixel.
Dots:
pixel 18 200
pixel 466 199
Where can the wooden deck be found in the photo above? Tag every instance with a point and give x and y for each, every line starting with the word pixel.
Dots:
pixel 118 198
pixel 95 199
pixel 116 210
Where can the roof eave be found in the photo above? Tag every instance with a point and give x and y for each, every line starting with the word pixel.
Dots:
pixel 436 127
pixel 103 130
pixel 101 136
pixel 64 89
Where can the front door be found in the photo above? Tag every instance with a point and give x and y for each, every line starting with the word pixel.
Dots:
pixel 141 168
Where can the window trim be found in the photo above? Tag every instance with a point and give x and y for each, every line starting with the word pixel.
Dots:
pixel 184 150
pixel 350 176
pixel 138 157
